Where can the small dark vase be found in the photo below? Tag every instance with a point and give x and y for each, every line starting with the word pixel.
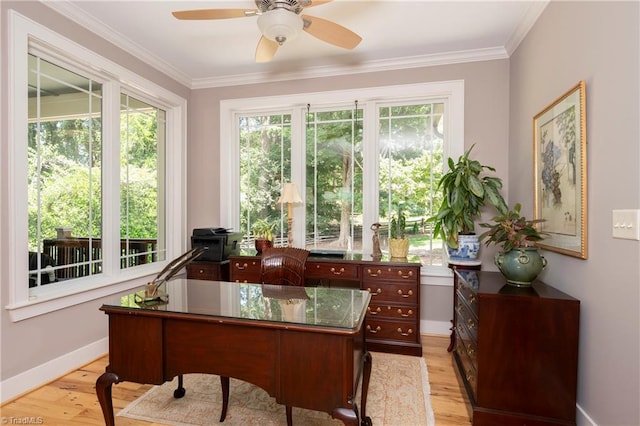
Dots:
pixel 521 266
pixel 262 244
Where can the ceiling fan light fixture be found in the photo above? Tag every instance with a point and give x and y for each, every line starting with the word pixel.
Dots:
pixel 280 25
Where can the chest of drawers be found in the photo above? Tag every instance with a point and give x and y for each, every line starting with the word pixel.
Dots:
pixel 393 316
pixel 516 350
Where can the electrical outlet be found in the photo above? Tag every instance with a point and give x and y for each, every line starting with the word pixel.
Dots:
pixel 625 224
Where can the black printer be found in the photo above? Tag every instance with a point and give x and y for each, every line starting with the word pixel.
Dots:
pixel 220 243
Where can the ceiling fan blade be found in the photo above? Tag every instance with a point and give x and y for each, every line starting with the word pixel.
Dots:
pixel 213 13
pixel 331 32
pixel 266 49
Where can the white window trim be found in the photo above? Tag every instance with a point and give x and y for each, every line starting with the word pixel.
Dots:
pixel 15 247
pixel 452 92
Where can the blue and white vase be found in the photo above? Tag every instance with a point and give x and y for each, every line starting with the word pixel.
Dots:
pixel 467 251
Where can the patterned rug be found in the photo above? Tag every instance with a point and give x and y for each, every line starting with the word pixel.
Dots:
pixel 398 396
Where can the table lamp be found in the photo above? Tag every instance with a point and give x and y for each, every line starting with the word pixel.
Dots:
pixel 289 196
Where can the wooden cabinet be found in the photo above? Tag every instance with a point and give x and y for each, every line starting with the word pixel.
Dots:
pixel 393 317
pixel 212 271
pixel 516 350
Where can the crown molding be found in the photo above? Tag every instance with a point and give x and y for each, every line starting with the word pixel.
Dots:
pixel 69 10
pixel 530 17
pixel 407 62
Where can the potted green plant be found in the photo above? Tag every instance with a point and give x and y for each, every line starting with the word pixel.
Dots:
pixel 398 242
pixel 263 230
pixel 518 259
pixel 465 189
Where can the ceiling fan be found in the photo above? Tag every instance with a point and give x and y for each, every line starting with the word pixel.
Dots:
pixel 280 21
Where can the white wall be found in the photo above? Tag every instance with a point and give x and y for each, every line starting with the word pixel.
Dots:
pixel 597 42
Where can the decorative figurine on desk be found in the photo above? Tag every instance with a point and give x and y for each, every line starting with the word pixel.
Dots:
pixel 377 253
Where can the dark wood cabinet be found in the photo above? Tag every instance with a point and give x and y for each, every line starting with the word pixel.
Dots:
pixel 516 350
pixel 393 316
pixel 211 271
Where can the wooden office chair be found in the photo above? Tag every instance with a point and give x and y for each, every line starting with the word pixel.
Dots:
pixel 278 266
pixel 283 266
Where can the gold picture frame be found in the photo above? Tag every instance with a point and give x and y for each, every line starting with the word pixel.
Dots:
pixel 560 173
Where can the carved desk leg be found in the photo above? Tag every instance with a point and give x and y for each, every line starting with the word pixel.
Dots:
pixel 351 417
pixel 103 390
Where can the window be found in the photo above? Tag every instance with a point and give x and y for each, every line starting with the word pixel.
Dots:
pixel 357 156
pixel 142 160
pixel 98 174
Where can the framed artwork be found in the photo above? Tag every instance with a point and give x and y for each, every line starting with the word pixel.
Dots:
pixel 560 173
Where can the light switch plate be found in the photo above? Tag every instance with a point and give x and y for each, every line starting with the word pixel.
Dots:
pixel 625 224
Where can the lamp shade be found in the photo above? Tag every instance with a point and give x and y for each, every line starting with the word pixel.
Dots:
pixel 280 25
pixel 289 194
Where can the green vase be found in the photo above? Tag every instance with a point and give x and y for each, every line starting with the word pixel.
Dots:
pixel 521 266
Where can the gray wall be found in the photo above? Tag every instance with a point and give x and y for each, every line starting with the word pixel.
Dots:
pixel 486 120
pixel 597 42
pixel 571 41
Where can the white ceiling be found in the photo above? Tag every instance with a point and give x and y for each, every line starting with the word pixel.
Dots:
pixel 396 34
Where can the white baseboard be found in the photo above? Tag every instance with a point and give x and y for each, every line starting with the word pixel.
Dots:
pixel 51 370
pixel 440 328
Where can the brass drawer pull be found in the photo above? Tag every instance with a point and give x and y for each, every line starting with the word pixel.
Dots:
pixel 471 324
pixel 241 267
pixel 408 314
pixel 338 272
pixel 407 294
pixel 408 333
pixel 470 350
pixel 374 274
pixel 376 312
pixel 201 271
pixel 379 291
pixel 405 276
pixel 378 328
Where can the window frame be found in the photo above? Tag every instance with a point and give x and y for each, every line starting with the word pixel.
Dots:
pixel 451 92
pixel 22 303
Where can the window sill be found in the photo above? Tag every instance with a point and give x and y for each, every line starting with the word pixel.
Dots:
pixel 61 298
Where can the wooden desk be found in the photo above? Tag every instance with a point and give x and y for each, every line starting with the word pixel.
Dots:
pixel 393 317
pixel 249 332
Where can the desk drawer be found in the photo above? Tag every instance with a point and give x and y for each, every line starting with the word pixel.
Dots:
pixel 380 310
pixel 212 271
pixel 331 270
pixel 245 270
pixel 391 273
pixel 380 329
pixel 404 293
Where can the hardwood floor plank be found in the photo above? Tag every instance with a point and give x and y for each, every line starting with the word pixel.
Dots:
pixel 71 400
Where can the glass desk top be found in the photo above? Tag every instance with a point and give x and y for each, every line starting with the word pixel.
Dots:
pixel 310 306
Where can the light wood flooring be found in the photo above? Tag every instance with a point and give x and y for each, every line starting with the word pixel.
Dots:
pixel 71 399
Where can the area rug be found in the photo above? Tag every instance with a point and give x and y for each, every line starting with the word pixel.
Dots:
pixel 398 396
